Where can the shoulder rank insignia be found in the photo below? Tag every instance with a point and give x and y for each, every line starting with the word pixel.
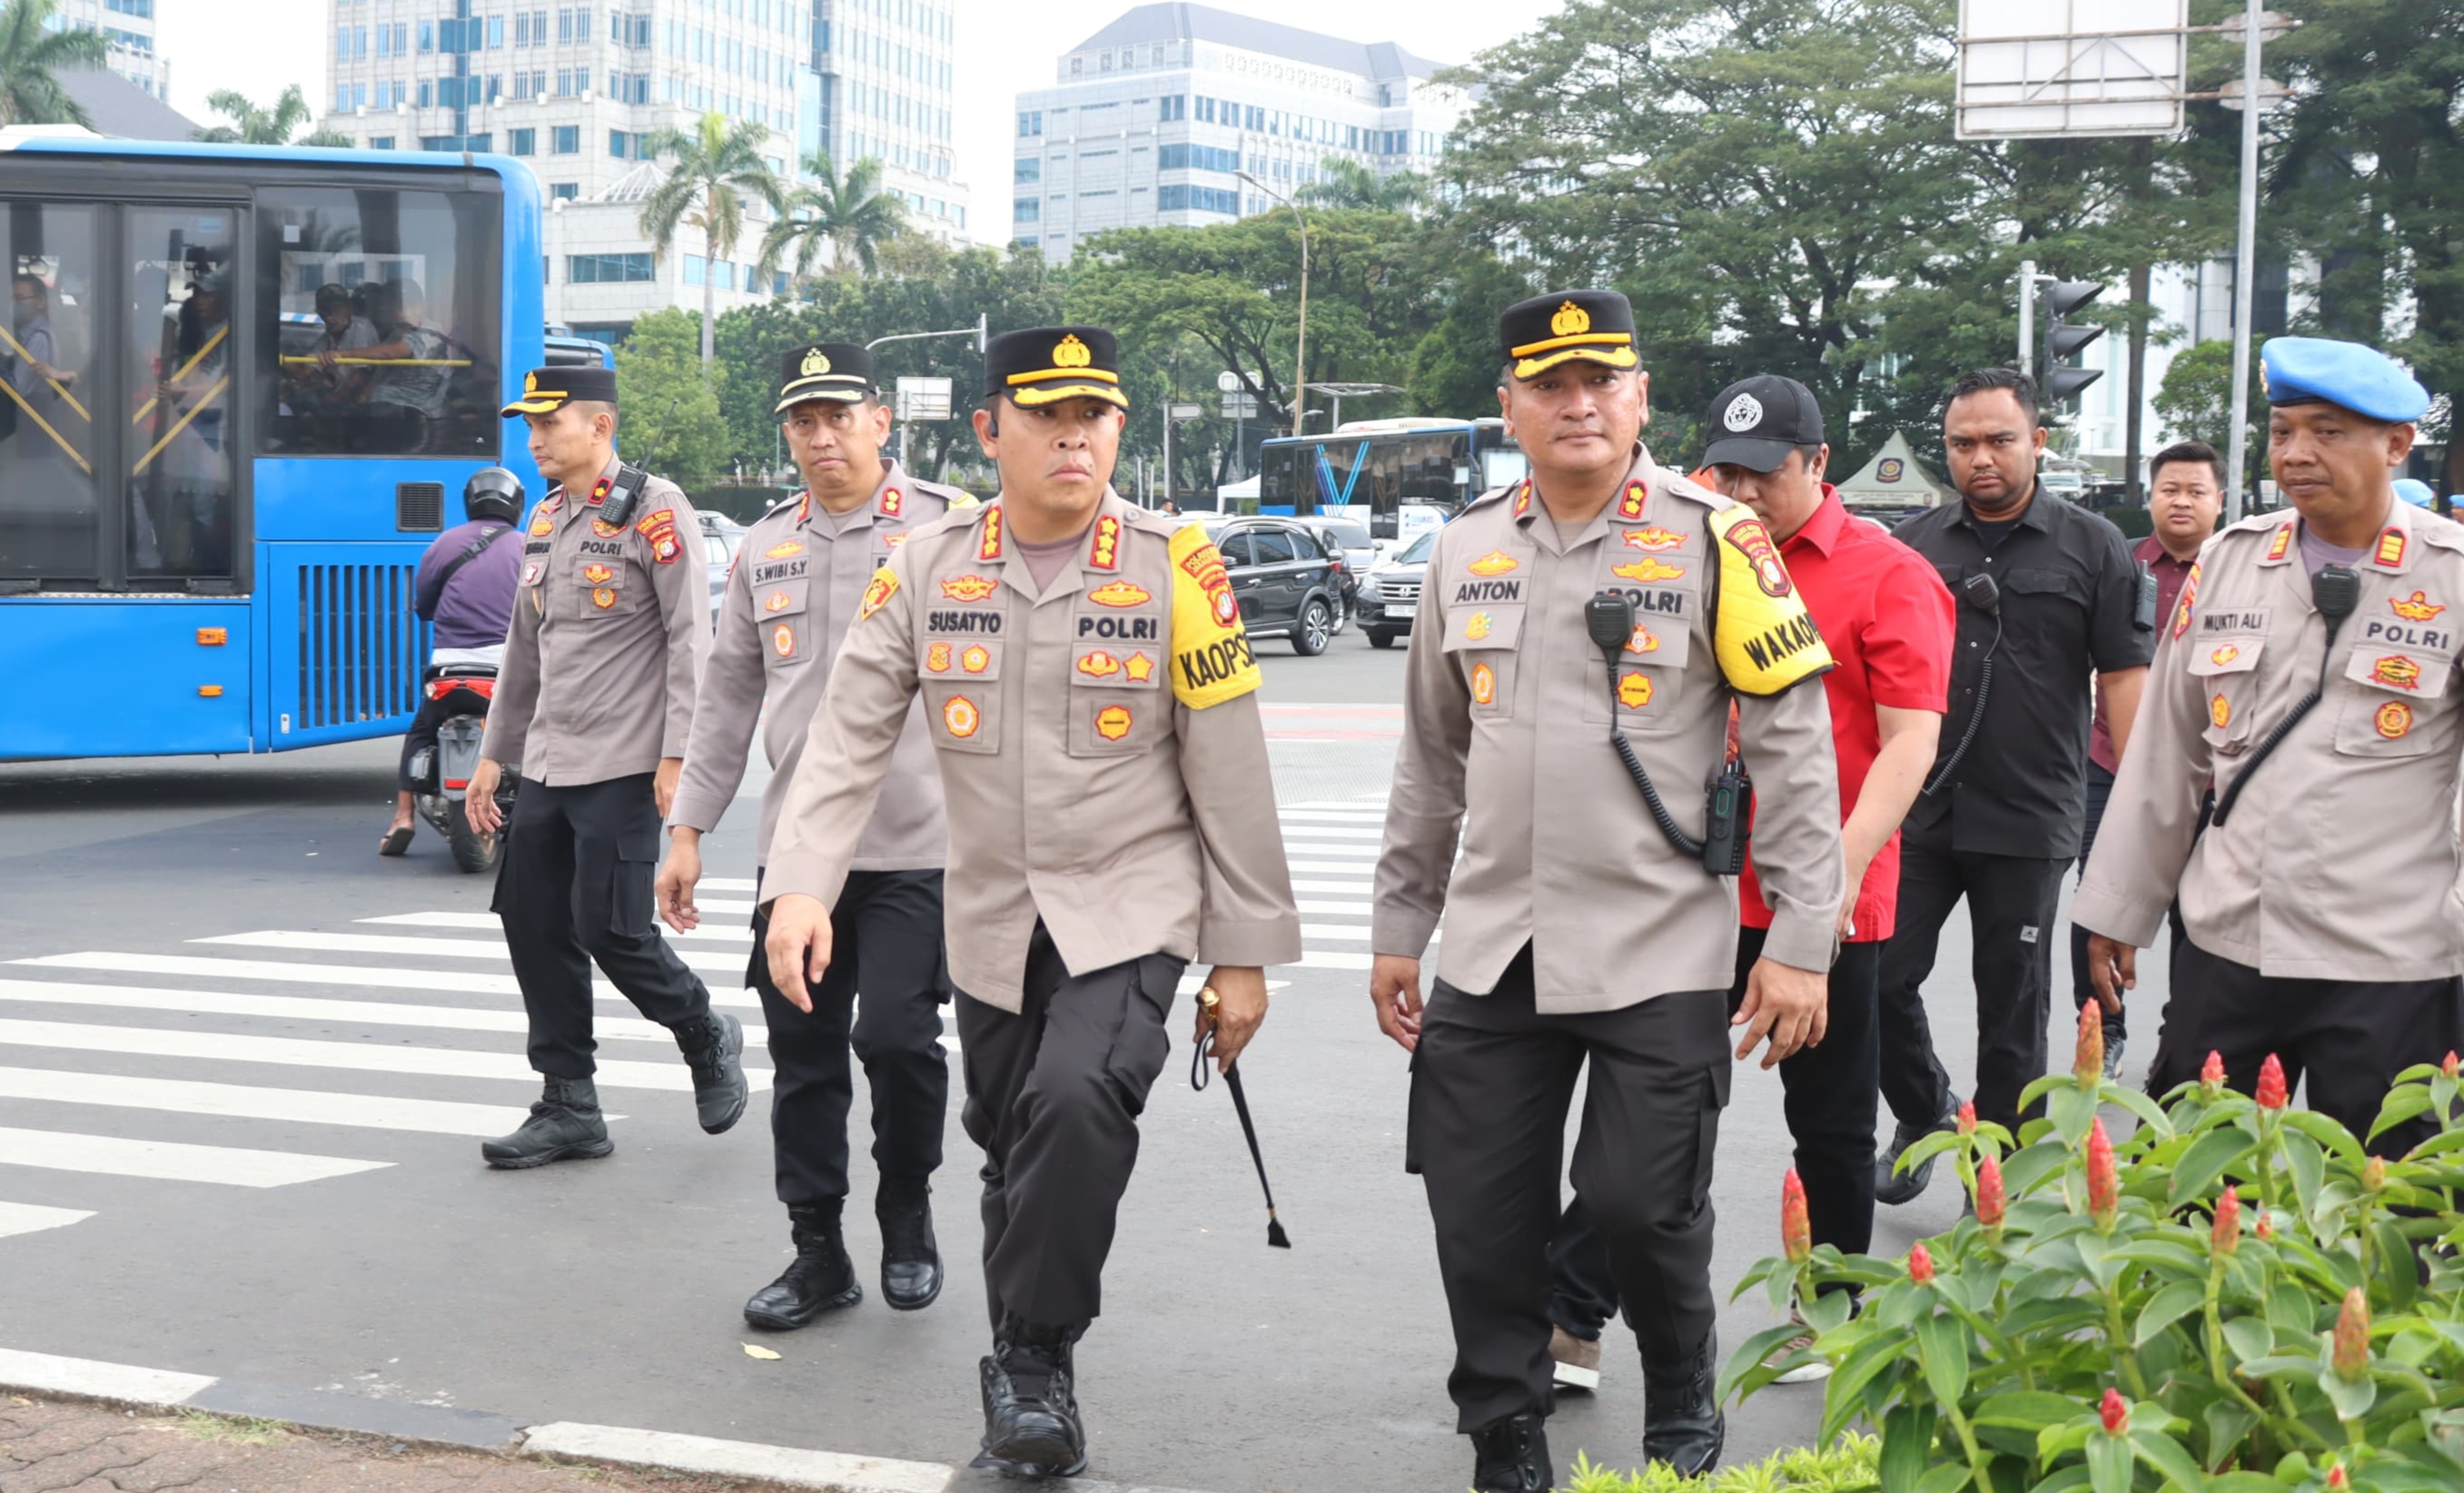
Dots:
pixel 2391 552
pixel 1629 506
pixel 892 503
pixel 1523 498
pixel 2280 544
pixel 1106 553
pixel 990 548
pixel 1765 638
pixel 1210 650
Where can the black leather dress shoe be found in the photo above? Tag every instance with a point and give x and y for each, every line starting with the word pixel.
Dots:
pixel 1031 1426
pixel 1511 1455
pixel 910 1258
pixel 566 1125
pixel 1682 1424
pixel 821 1279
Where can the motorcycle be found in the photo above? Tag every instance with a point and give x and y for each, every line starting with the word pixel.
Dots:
pixel 440 774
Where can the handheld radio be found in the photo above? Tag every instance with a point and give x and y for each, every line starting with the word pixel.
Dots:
pixel 1980 592
pixel 1608 617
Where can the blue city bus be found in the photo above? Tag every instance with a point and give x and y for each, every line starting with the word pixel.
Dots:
pixel 1370 469
pixel 240 392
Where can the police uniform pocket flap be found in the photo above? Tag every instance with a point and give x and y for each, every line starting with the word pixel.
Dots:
pixel 1115 666
pixel 1497 627
pixel 601 585
pixel 961 659
pixel 2041 582
pixel 1656 644
pixel 781 599
pixel 2403 672
pixel 2225 655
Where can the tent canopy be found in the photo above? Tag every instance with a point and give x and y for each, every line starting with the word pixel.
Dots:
pixel 1894 479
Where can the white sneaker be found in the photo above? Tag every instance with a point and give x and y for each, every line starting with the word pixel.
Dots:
pixel 1808 1373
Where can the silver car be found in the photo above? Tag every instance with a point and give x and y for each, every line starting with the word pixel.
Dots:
pixel 1390 592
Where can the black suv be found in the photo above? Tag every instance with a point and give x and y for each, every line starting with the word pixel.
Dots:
pixel 1287 585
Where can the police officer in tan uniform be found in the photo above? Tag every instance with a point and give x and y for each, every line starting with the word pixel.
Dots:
pixel 2308 674
pixel 792 593
pixel 593 707
pixel 1578 927
pixel 1090 694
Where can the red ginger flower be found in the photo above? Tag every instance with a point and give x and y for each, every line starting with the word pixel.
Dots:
pixel 2115 1412
pixel 2104 1179
pixel 2088 1067
pixel 1796 1227
pixel 2272 1093
pixel 2227 1234
pixel 2351 1354
pixel 1920 1264
pixel 1989 1193
pixel 1967 1117
pixel 2211 1074
pixel 2448 1065
pixel 2374 1175
pixel 2338 1477
pixel 2265 1228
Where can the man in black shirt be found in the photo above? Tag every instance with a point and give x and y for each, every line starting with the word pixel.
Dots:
pixel 2048 595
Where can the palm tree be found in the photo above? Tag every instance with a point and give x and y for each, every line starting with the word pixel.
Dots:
pixel 31 52
pixel 716 168
pixel 1348 183
pixel 250 125
pixel 852 215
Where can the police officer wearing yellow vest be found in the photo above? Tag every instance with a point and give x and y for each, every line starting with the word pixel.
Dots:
pixel 594 703
pixel 2308 674
pixel 1580 639
pixel 794 590
pixel 1090 691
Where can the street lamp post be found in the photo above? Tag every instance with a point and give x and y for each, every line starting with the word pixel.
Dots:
pixel 1300 340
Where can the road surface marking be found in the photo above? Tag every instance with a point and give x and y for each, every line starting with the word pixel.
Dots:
pixel 437 1062
pixel 311 1008
pixel 24 1218
pixel 439 982
pixel 245 1102
pixel 487 922
pixel 1339 909
pixel 170 1161
pixel 429 948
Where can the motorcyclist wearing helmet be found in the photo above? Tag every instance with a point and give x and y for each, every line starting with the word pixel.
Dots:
pixel 465 586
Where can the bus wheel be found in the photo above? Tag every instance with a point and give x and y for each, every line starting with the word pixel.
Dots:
pixel 1380 637
pixel 1315 626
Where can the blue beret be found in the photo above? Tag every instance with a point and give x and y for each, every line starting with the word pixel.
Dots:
pixel 2303 370
pixel 2415 490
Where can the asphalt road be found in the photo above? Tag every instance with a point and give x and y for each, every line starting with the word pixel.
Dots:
pixel 242 1077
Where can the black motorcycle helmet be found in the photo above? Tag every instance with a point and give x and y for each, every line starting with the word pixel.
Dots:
pixel 493 493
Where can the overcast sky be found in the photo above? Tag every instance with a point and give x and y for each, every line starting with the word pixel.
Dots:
pixel 258 46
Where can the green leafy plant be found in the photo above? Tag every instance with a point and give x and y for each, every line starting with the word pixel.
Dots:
pixel 2233 1298
pixel 1845 1465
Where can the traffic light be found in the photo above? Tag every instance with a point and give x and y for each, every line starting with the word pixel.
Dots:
pixel 2057 381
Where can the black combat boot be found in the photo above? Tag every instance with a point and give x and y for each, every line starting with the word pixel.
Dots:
pixel 1682 1424
pixel 821 1279
pixel 714 1048
pixel 566 1125
pixel 1031 1427
pixel 911 1261
pixel 1511 1455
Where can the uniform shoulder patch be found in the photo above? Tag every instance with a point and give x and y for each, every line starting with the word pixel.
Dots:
pixel 1765 638
pixel 1210 649
pixel 877 592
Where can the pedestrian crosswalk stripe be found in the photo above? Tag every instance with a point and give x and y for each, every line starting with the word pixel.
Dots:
pixel 312 1008
pixel 1355 849
pixel 24 1218
pixel 1351 868
pixel 1293 832
pixel 249 1101
pixel 1335 816
pixel 431 948
pixel 1340 908
pixel 1333 960
pixel 298 1052
pixel 487 922
pixel 1360 887
pixel 171 1161
pixel 727 882
pixel 438 982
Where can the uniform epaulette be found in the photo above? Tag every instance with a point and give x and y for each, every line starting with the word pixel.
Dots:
pixel 2256 523
pixel 1680 485
pixel 941 489
pixel 1492 495
pixel 2438 533
pixel 1152 521
pixel 781 506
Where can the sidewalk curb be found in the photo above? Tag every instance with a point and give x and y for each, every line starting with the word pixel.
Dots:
pixel 469 1429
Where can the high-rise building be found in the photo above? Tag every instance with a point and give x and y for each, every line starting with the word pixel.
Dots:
pixel 1151 121
pixel 128 26
pixel 578 89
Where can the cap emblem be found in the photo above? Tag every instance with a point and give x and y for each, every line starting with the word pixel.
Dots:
pixel 816 363
pixel 1745 412
pixel 530 384
pixel 1071 353
pixel 1570 321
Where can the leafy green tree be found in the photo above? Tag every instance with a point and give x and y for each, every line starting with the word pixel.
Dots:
pixel 2195 397
pixel 32 53
pixel 251 125
pixel 1345 183
pixel 851 216
pixel 716 166
pixel 668 420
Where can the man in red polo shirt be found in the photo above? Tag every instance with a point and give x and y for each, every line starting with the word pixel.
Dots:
pixel 2185 484
pixel 1887 619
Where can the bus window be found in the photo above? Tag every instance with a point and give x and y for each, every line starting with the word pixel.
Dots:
pixel 378 321
pixel 1499 468
pixel 176 347
pixel 49 517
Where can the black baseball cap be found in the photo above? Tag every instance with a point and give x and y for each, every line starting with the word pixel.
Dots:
pixel 838 371
pixel 1539 334
pixel 1047 365
pixel 546 389
pixel 1757 422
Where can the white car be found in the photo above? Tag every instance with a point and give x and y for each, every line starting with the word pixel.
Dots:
pixel 1390 592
